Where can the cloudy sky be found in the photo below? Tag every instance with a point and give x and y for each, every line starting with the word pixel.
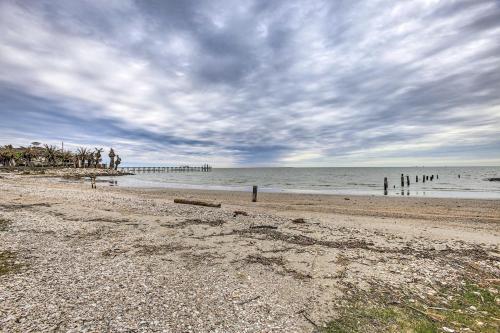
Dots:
pixel 247 83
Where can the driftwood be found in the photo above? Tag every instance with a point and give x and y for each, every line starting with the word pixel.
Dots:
pixel 303 312
pixel 239 212
pixel 249 300
pixel 299 221
pixel 197 203
pixel 263 227
pixel 494 179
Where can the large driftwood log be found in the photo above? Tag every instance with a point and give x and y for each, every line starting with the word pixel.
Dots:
pixel 263 227
pixel 197 203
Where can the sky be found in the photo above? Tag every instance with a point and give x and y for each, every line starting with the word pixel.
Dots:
pixel 255 83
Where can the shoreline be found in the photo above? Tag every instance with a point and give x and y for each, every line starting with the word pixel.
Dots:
pixel 107 175
pixel 246 189
pixel 414 207
pixel 471 195
pixel 473 183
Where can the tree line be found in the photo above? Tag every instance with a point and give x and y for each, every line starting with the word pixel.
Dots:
pixel 49 155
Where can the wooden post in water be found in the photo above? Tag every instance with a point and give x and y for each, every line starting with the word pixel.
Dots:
pixel 408 180
pixel 386 185
pixel 402 180
pixel 416 179
pixel 437 176
pixel 432 178
pixel 254 194
pixel 423 179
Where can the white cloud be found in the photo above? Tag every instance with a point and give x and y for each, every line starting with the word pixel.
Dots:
pixel 294 83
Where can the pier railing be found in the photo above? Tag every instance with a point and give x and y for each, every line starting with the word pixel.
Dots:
pixel 204 168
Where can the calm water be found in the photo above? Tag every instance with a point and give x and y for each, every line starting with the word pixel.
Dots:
pixel 471 184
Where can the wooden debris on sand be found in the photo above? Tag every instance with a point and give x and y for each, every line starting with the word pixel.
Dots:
pixel 263 227
pixel 239 212
pixel 197 203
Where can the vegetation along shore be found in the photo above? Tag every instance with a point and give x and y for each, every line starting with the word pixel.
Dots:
pixel 51 161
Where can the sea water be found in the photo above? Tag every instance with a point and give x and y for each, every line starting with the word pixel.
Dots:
pixel 459 182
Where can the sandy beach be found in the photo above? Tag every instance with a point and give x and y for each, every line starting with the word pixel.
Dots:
pixel 131 260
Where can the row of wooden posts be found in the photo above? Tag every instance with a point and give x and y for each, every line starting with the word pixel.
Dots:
pixel 424 179
pixel 386 183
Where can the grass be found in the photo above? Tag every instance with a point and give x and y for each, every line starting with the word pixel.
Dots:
pixel 469 307
pixel 4 224
pixel 380 318
pixel 475 307
pixel 8 263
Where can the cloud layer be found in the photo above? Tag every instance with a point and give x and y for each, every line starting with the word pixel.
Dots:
pixel 320 83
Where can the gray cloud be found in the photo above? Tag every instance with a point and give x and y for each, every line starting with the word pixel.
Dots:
pixel 255 83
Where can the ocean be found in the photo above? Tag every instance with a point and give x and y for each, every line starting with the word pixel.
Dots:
pixel 455 182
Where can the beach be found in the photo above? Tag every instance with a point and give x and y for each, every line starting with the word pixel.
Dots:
pixel 131 260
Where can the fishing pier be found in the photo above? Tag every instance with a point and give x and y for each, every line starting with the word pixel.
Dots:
pixel 185 168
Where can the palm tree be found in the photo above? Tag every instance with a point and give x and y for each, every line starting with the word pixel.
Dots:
pixel 82 155
pixel 7 155
pixel 90 159
pixel 4 159
pixel 98 157
pixel 50 154
pixel 64 157
pixel 27 155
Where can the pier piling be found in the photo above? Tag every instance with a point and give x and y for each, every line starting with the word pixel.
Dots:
pixel 402 180
pixel 204 168
pixel 386 185
pixel 254 194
